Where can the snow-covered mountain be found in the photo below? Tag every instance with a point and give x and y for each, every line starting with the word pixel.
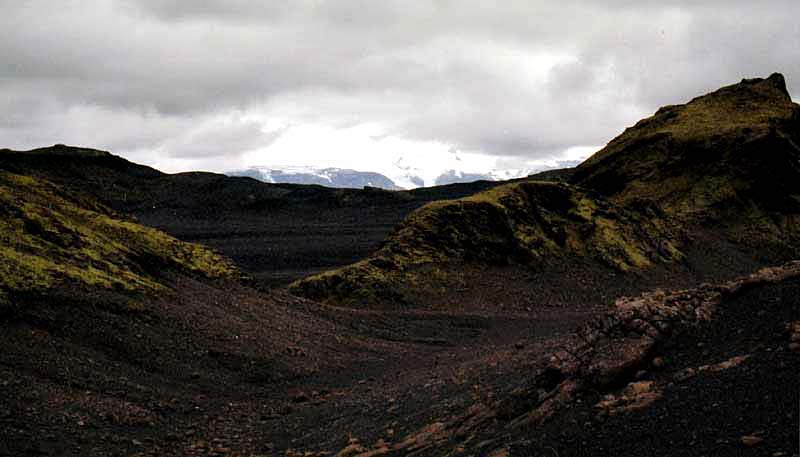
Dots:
pixel 406 176
pixel 330 177
pixel 397 177
pixel 456 176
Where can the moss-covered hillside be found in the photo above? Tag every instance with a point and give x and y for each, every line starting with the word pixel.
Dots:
pixel 520 222
pixel 51 239
pixel 737 148
pixel 726 164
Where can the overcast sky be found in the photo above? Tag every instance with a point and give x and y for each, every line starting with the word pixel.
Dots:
pixel 223 84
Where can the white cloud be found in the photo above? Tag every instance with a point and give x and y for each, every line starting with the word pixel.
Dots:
pixel 207 84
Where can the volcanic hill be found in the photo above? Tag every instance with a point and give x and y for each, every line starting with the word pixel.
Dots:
pixel 696 186
pixel 735 149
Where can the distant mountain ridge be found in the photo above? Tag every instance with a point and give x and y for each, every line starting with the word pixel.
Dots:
pixel 330 177
pixel 404 178
pixel 457 176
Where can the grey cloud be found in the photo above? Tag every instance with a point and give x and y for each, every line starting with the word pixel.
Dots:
pixel 220 139
pixel 135 74
pixel 214 10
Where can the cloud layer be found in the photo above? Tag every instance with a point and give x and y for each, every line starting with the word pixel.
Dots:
pixel 219 82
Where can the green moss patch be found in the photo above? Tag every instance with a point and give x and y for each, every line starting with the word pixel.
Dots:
pixel 520 222
pixel 736 147
pixel 49 239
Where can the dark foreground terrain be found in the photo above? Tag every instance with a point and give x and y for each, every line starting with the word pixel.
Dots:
pixel 728 389
pixel 245 375
pixel 618 309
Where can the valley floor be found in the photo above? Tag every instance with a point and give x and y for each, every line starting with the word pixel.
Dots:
pixel 253 374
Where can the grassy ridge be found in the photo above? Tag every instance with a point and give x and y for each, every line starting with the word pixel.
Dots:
pixel 49 239
pixel 735 148
pixel 519 222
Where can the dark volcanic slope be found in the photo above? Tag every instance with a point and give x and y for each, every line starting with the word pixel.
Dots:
pixel 705 371
pixel 736 147
pixel 735 379
pixel 696 187
pixel 277 232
